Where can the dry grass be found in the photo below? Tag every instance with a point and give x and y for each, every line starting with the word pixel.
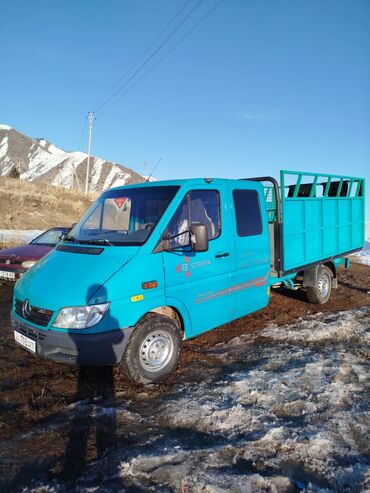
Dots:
pixel 26 205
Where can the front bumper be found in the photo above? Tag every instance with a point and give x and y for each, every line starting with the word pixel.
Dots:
pixel 102 349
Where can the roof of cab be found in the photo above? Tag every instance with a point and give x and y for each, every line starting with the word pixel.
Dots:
pixel 186 181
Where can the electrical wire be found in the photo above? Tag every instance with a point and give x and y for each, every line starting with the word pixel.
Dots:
pixel 147 49
pixel 83 129
pixel 202 19
pixel 152 55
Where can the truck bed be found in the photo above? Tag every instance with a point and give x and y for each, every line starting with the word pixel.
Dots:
pixel 323 217
pixel 313 217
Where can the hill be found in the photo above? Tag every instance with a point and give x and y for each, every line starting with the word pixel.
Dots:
pixel 25 205
pixel 40 161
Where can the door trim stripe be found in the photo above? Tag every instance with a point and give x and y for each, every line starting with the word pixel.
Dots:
pixel 258 281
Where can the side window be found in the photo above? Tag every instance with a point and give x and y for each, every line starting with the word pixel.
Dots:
pixel 198 206
pixel 247 212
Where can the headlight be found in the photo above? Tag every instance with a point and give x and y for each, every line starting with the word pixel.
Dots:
pixel 80 317
pixel 27 264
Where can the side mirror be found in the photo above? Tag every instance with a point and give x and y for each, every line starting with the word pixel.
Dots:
pixel 199 237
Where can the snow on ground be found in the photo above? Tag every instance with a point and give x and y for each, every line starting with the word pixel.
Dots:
pixel 363 257
pixel 283 410
pixel 17 235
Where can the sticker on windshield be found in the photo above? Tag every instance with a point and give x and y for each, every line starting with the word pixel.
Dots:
pixel 121 203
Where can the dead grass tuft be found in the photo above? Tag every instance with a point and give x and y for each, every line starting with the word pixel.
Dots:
pixel 27 205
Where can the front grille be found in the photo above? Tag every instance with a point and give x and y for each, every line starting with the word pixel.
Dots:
pixel 29 332
pixel 38 316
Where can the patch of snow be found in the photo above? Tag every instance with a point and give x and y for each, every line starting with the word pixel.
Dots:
pixel 5 127
pixel 293 408
pixel 284 409
pixel 55 150
pixel 4 146
pixel 42 143
pixel 116 177
pixel 150 179
pixel 95 174
pixel 363 257
pixel 17 235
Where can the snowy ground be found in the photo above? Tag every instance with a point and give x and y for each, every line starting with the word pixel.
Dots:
pixel 282 410
pixel 364 256
pixel 17 235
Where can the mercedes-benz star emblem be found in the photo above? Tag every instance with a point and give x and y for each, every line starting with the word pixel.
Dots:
pixel 26 308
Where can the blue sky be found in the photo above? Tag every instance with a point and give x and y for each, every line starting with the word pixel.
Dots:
pixel 260 85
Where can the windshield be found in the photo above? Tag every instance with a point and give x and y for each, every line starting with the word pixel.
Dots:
pixel 51 237
pixel 123 217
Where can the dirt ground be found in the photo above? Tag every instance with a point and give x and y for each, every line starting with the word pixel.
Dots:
pixel 34 391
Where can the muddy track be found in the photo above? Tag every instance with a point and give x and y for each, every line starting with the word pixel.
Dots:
pixel 38 396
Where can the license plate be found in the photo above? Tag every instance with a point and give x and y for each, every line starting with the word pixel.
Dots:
pixel 24 341
pixel 7 275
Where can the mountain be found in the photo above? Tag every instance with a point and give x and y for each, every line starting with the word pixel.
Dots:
pixel 38 160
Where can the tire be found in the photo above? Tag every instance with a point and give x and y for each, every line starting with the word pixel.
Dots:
pixel 320 294
pixel 153 349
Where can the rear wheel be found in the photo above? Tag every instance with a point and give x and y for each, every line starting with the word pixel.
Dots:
pixel 153 350
pixel 320 293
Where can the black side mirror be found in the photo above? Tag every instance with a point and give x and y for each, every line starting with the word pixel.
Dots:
pixel 199 237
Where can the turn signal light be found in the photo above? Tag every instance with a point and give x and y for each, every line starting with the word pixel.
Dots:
pixel 149 285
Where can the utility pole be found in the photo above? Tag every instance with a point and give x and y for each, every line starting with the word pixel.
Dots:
pixel 91 118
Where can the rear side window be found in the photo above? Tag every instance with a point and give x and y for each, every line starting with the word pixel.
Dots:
pixel 247 212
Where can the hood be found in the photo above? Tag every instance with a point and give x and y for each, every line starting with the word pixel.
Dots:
pixel 25 252
pixel 70 279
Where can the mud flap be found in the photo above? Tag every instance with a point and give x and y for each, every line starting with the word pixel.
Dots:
pixel 310 277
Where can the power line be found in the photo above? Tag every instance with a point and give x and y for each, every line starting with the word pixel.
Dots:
pixel 202 19
pixel 82 133
pixel 91 118
pixel 152 55
pixel 147 49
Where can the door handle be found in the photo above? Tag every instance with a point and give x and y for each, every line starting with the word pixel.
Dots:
pixel 222 254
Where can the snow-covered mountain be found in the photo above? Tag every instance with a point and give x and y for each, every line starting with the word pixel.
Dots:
pixel 39 160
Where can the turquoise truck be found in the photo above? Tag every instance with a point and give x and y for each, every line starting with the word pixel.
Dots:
pixel 152 264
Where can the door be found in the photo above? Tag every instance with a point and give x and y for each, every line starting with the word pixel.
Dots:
pixel 201 280
pixel 252 249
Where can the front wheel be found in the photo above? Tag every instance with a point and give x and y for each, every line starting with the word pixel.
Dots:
pixel 153 349
pixel 320 293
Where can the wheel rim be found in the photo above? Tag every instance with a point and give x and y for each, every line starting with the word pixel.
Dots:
pixel 324 285
pixel 156 351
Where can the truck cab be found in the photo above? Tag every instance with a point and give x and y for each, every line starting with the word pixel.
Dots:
pixel 147 266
